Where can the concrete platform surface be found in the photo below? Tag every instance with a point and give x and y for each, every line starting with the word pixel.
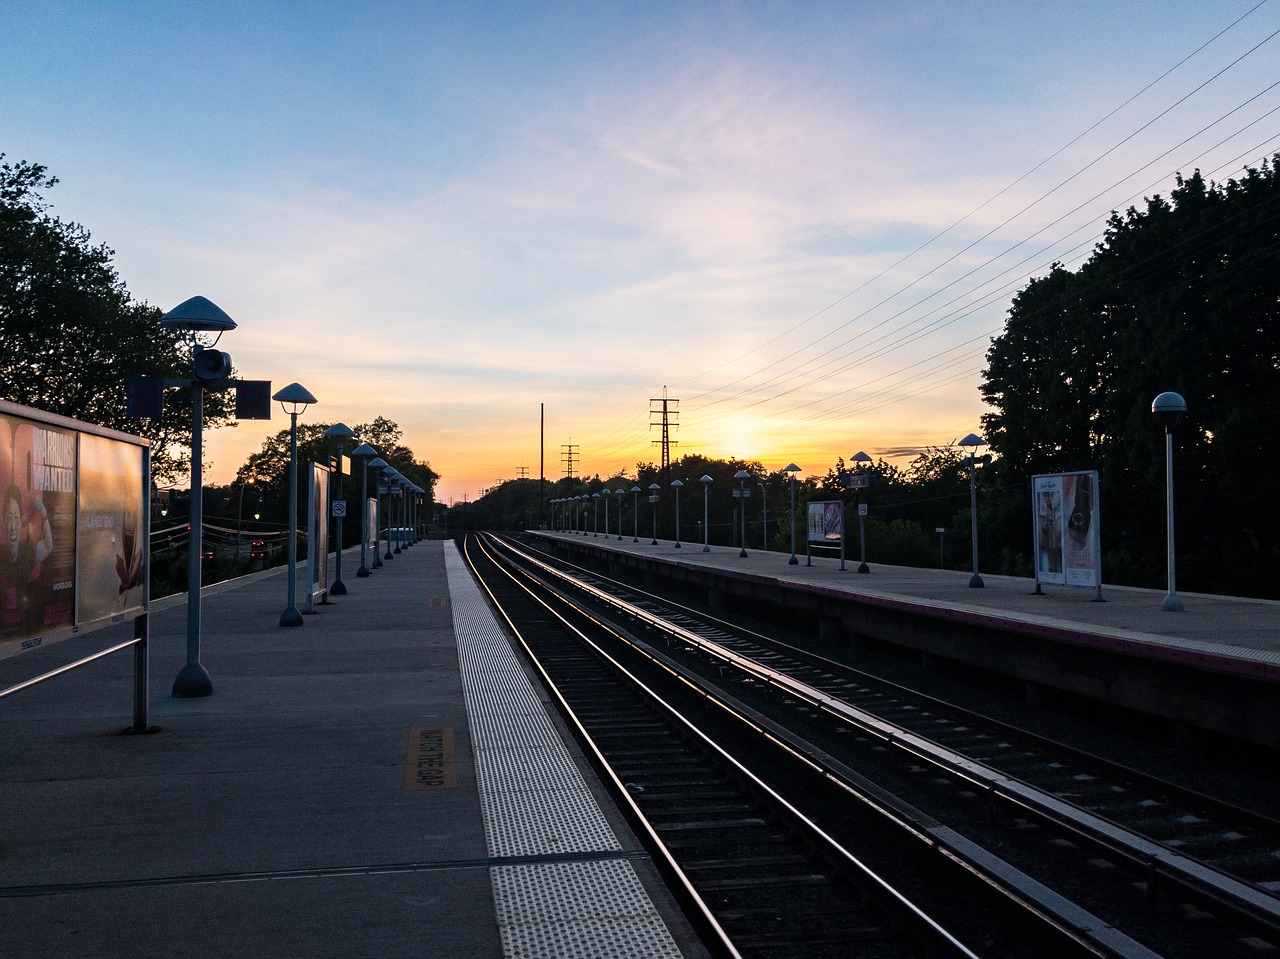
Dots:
pixel 322 802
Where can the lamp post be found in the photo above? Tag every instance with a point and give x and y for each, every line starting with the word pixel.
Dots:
pixel 398 487
pixel 742 476
pixel 240 515
pixel 621 491
pixel 862 459
pixel 635 510
pixel 378 464
pixel 706 522
pixel 196 316
pixel 387 473
pixel 764 516
pixel 580 515
pixel 365 452
pixel 595 514
pixel 971 443
pixel 792 469
pixel 604 495
pixel 410 507
pixel 676 484
pixel 293 399
pixel 1170 407
pixel 340 432
pixel 653 510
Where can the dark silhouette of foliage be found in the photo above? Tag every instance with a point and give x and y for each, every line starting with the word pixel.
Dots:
pixel 1182 295
pixel 70 333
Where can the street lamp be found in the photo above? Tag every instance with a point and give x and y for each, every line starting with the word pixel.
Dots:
pixel 635 510
pixel 388 476
pixel 595 514
pixel 971 443
pixel 340 432
pixel 793 470
pixel 742 476
pixel 621 491
pixel 764 516
pixel 676 484
pixel 399 485
pixel 653 510
pixel 365 452
pixel 1170 407
pixel 240 515
pixel 706 523
pixel 862 459
pixel 378 464
pixel 197 316
pixel 604 495
pixel 293 399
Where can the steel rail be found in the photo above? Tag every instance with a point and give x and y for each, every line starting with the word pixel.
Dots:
pixel 1211 883
pixel 936 932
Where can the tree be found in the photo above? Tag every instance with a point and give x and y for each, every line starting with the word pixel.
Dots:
pixel 70 333
pixel 1182 295
pixel 269 467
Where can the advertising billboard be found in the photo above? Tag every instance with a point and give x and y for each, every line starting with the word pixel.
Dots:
pixel 318 533
pixel 109 531
pixel 75 526
pixel 1067 545
pixel 37 564
pixel 826 523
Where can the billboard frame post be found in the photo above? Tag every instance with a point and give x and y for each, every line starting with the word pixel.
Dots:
pixel 98 526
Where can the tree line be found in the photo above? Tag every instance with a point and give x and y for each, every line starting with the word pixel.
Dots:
pixel 71 335
pixel 1180 294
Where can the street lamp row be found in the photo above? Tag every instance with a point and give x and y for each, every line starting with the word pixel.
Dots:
pixel 1169 406
pixel 204 322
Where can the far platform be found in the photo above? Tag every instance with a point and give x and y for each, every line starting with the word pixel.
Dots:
pixel 1227 648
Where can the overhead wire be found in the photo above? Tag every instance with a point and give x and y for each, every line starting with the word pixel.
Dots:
pixel 904 337
pixel 1008 187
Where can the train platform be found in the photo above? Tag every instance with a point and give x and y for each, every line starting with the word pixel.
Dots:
pixel 1224 633
pixel 384 780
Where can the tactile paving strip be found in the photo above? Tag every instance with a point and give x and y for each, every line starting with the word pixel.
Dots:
pixel 535 803
pixel 540 912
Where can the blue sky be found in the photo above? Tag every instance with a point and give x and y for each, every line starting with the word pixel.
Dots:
pixel 806 220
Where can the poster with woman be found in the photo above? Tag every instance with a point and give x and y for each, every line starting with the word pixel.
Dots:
pixel 109 568
pixel 37 563
pixel 1068 549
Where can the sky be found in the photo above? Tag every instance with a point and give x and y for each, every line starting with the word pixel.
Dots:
pixel 511 227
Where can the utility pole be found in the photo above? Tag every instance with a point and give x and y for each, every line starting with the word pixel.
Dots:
pixel 666 414
pixel 542 462
pixel 568 454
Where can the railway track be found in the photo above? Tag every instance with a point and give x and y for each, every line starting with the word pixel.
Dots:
pixel 1183 873
pixel 777 858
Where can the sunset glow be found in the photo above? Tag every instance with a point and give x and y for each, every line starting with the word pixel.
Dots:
pixel 805 222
